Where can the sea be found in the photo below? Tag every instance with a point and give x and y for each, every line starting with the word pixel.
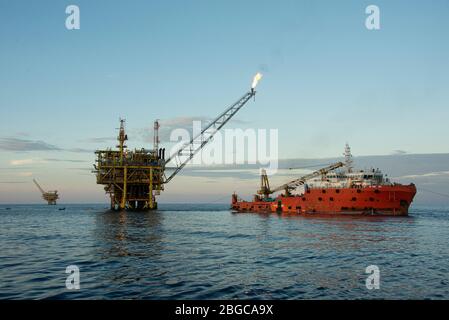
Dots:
pixel 205 251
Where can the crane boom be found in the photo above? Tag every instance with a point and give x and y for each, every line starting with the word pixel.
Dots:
pixel 189 149
pixel 300 181
pixel 266 191
pixel 37 185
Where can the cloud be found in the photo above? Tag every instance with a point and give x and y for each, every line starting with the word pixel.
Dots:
pixel 425 175
pixel 25 174
pixel 13 182
pixel 80 150
pixel 241 171
pixel 63 160
pixel 399 152
pixel 21 162
pixel 33 161
pixel 80 169
pixel 22 134
pixel 16 144
pixel 168 125
pixel 99 140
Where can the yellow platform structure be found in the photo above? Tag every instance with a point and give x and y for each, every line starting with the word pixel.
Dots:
pixel 131 178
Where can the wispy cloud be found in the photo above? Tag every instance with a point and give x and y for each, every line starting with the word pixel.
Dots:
pixel 21 162
pixel 64 160
pixel 79 150
pixel 80 169
pixel 168 125
pixel 16 144
pixel 13 182
pixel 99 140
pixel 25 174
pixel 22 134
pixel 34 161
pixel 399 152
pixel 425 175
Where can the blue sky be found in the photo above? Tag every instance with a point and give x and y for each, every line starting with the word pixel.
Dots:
pixel 327 79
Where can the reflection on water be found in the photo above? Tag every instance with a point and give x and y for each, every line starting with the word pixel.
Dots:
pixel 206 252
pixel 129 233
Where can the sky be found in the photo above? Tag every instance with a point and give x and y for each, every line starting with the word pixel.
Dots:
pixel 327 80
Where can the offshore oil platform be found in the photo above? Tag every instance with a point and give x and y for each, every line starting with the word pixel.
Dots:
pixel 133 179
pixel 49 196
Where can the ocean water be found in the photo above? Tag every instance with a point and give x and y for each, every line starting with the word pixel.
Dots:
pixel 208 252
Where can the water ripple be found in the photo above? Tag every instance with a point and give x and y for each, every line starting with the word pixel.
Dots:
pixel 207 252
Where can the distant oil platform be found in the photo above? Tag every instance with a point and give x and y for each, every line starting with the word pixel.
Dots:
pixel 49 196
pixel 133 179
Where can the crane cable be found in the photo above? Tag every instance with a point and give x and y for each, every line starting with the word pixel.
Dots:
pixel 311 166
pixel 434 192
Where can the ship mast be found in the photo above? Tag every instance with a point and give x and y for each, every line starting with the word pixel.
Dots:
pixel 348 158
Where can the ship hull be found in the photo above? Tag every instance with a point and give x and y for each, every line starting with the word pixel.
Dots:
pixel 385 200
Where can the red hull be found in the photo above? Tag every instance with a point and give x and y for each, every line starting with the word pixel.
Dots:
pixel 389 200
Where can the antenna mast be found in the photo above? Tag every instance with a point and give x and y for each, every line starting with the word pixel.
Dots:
pixel 122 137
pixel 156 137
pixel 348 158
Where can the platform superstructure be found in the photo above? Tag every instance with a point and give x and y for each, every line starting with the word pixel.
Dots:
pixel 131 178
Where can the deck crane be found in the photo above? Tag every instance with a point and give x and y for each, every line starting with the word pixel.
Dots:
pixel 188 150
pixel 49 196
pixel 266 191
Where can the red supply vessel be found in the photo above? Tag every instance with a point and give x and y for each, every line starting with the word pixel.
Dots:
pixel 334 190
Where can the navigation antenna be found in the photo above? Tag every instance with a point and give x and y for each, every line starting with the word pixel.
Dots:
pixel 348 158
